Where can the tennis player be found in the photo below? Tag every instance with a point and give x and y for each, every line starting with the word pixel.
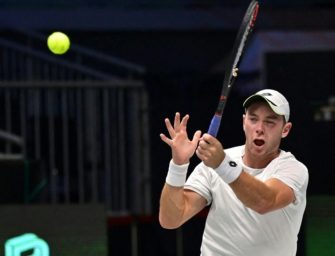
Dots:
pixel 256 191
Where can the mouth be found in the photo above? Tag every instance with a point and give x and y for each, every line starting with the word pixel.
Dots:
pixel 259 142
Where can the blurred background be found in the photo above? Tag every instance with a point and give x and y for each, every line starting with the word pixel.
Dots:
pixel 81 163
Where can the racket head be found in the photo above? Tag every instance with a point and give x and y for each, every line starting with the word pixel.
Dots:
pixel 240 42
pixel 231 72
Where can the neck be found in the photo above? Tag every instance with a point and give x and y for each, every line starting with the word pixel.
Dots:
pixel 259 161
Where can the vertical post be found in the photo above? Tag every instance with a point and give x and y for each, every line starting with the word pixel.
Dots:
pixel 145 152
pixel 134 237
pixel 80 145
pixel 91 138
pixel 8 117
pixel 124 184
pixel 107 146
pixel 65 144
pixel 51 142
pixel 135 165
pixel 179 242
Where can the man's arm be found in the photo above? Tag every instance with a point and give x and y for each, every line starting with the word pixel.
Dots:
pixel 260 196
pixel 178 205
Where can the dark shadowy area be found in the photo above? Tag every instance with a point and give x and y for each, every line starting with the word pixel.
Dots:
pixel 183 46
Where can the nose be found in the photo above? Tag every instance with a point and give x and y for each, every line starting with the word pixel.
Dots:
pixel 259 128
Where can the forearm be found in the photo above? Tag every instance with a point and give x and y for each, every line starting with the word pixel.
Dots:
pixel 172 205
pixel 254 193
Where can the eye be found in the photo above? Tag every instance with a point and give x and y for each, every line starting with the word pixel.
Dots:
pixel 270 122
pixel 253 119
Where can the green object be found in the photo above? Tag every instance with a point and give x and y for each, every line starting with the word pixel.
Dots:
pixel 58 43
pixel 320 226
pixel 17 245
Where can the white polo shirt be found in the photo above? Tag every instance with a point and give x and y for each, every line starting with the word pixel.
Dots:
pixel 232 229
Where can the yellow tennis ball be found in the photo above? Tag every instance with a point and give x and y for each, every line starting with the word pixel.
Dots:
pixel 58 43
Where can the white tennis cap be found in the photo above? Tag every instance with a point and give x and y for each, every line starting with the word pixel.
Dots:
pixel 276 101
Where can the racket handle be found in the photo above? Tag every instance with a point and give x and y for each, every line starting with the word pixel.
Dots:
pixel 214 126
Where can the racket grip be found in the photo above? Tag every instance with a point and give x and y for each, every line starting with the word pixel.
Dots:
pixel 214 126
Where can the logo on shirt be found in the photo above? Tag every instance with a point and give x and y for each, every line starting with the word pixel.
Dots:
pixel 232 163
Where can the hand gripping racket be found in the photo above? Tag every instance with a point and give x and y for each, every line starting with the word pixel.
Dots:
pixel 231 71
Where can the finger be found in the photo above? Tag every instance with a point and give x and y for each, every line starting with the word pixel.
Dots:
pixel 169 127
pixel 176 122
pixel 203 144
pixel 209 138
pixel 201 154
pixel 165 139
pixel 196 137
pixel 184 121
pixel 202 148
pixel 198 154
pixel 212 141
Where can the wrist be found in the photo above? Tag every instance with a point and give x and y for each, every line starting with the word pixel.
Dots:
pixel 229 170
pixel 176 175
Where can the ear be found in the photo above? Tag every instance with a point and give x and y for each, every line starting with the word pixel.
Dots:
pixel 243 120
pixel 286 129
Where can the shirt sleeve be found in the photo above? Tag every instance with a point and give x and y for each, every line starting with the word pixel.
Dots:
pixel 294 174
pixel 199 181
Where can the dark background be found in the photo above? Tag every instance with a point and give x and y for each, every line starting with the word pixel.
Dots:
pixel 68 229
pixel 180 47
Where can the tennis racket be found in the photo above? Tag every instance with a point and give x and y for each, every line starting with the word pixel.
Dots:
pixel 231 71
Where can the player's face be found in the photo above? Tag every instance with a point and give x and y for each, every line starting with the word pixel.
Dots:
pixel 264 130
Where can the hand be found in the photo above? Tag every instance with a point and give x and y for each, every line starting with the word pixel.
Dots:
pixel 182 148
pixel 210 151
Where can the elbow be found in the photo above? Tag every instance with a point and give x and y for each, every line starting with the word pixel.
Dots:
pixel 166 223
pixel 262 207
pixel 261 211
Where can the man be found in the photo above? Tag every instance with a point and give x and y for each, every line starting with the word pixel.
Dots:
pixel 256 192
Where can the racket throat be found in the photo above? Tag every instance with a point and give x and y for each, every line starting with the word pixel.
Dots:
pixel 221 106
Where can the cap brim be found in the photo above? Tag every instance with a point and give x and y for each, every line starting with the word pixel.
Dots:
pixel 253 98
pixel 256 98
